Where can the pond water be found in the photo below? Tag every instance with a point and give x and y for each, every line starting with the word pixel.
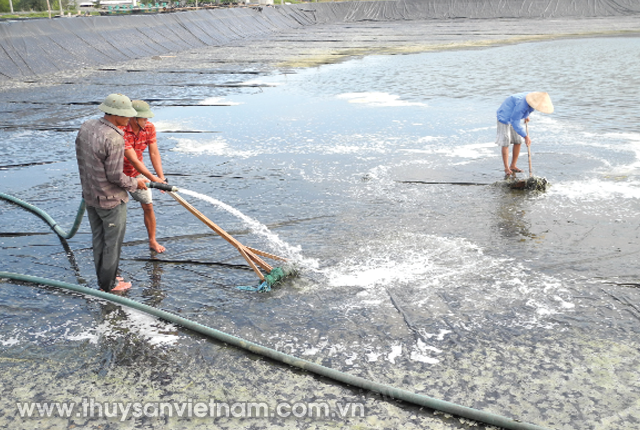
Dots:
pixel 477 294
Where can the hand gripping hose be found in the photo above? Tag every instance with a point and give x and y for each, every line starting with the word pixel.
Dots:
pixel 161 186
pixel 355 381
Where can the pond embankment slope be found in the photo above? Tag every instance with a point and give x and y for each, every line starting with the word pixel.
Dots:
pixel 36 48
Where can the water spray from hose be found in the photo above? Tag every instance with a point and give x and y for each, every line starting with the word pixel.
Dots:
pixel 274 275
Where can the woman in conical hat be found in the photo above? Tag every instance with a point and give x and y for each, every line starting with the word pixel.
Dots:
pixel 512 114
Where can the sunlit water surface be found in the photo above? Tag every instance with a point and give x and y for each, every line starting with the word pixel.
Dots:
pixel 334 168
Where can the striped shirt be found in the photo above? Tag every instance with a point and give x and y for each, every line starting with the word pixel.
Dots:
pixel 139 142
pixel 100 151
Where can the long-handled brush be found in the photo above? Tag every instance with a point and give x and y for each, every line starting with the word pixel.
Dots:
pixel 251 255
pixel 533 182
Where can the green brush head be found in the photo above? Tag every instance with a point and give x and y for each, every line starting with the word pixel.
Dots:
pixel 278 274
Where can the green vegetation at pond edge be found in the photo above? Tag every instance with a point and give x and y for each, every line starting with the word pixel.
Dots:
pixel 31 15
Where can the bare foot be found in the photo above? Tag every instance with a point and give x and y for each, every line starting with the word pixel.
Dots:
pixel 155 246
pixel 122 286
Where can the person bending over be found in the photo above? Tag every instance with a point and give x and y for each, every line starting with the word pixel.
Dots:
pixel 514 112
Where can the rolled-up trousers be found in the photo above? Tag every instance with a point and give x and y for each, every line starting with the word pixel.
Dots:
pixel 107 229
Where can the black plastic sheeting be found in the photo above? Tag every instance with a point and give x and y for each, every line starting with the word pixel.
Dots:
pixel 38 47
pixel 475 9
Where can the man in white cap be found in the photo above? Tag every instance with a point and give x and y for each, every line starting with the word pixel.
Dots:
pixel 513 112
pixel 100 155
pixel 140 134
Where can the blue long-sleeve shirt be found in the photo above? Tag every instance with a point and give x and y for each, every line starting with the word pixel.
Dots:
pixel 513 110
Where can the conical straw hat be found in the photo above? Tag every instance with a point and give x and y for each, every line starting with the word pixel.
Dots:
pixel 540 102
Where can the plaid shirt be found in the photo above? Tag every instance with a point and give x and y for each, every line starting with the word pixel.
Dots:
pixel 100 151
pixel 139 142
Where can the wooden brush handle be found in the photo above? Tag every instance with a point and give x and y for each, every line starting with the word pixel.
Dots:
pixel 526 124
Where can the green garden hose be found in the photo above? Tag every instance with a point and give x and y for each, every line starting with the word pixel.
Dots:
pixel 59 231
pixel 355 381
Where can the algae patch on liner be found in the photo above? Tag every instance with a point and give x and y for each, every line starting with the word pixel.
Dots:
pixel 321 57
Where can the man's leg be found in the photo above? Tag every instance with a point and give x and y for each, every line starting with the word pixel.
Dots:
pixel 517 141
pixel 114 223
pixel 150 224
pixel 502 140
pixel 505 159
pixel 97 238
pixel 516 154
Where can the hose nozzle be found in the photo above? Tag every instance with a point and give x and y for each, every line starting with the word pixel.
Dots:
pixel 161 186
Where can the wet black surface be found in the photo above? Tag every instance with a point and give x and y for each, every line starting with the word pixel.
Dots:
pixel 520 304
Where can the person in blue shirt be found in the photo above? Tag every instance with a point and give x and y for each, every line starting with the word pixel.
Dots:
pixel 512 114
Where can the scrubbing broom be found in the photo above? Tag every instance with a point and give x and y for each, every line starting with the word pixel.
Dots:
pixel 533 182
pixel 251 255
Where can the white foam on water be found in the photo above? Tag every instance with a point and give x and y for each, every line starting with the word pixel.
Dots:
pixel 311 351
pixel 427 139
pixel 164 125
pixel 217 101
pixel 596 189
pixel 632 145
pixel 351 358
pixel 88 334
pixel 27 335
pixel 9 341
pixel 212 146
pixel 354 144
pixel 24 132
pixel 373 356
pixel 378 270
pixel 377 99
pixel 370 349
pixel 288 251
pixel 430 264
pixel 423 353
pixel 396 351
pixel 379 264
pixel 475 130
pixel 463 153
pixel 354 149
pixel 154 331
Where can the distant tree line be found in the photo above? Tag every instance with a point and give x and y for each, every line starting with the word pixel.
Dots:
pixel 35 5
